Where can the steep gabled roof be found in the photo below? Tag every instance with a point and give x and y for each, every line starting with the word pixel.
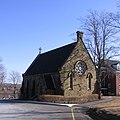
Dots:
pixel 51 61
pixel 114 65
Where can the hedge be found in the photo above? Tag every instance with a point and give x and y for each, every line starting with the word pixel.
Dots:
pixel 71 100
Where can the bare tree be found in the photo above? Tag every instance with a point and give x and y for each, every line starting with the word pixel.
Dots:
pixel 2 73
pixel 15 78
pixel 100 39
pixel 116 18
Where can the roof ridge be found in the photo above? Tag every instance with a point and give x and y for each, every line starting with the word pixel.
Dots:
pixel 58 48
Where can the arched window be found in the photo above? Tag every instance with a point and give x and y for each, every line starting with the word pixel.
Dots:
pixel 33 88
pixel 70 75
pixel 89 77
pixel 28 89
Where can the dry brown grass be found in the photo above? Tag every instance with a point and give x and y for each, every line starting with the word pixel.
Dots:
pixel 112 106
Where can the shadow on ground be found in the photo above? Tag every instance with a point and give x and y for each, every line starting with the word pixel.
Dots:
pixel 98 114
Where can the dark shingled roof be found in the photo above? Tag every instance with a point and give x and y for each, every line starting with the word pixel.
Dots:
pixel 51 61
pixel 112 64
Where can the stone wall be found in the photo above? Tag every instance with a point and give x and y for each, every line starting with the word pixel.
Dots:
pixel 80 82
pixel 32 86
pixel 35 85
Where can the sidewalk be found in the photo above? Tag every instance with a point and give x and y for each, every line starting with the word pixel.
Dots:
pixel 90 104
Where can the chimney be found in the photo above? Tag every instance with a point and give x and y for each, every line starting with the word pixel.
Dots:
pixel 79 35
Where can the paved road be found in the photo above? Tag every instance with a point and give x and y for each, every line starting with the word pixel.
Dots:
pixel 21 110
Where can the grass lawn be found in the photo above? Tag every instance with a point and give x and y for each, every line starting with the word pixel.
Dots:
pixel 112 106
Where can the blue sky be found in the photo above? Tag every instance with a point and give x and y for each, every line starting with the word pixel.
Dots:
pixel 26 25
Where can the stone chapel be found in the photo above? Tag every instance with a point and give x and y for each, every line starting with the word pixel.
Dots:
pixel 68 71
